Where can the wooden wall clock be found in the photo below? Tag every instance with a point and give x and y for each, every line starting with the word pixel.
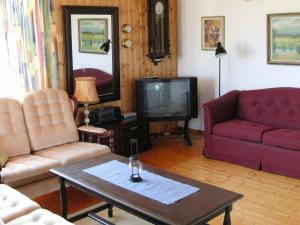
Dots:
pixel 158 30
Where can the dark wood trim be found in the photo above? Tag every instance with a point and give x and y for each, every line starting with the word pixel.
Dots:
pixel 85 10
pixel 75 111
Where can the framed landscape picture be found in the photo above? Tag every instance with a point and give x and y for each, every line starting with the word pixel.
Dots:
pixel 92 34
pixel 213 31
pixel 284 38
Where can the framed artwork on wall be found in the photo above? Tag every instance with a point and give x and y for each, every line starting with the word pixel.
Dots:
pixel 283 38
pixel 213 31
pixel 92 32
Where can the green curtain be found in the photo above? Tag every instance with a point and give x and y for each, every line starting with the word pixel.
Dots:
pixel 29 33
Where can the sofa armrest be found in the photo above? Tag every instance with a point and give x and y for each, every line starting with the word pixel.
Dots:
pixel 219 110
pixel 74 104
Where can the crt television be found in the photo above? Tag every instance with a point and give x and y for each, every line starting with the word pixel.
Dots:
pixel 167 98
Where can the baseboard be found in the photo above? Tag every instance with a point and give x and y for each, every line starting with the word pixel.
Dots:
pixel 196 132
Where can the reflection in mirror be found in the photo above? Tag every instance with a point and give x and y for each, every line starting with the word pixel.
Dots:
pixel 92 49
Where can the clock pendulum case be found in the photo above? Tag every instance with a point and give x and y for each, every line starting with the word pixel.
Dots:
pixel 158 30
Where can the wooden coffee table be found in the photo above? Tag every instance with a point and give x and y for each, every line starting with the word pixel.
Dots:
pixel 198 208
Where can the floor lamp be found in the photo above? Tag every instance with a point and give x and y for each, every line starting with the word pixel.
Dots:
pixel 220 52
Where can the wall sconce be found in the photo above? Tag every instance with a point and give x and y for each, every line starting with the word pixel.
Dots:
pixel 126 43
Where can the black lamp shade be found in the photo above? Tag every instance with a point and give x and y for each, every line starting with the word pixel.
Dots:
pixel 220 51
pixel 105 46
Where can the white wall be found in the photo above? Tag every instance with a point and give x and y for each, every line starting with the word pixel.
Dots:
pixel 246 66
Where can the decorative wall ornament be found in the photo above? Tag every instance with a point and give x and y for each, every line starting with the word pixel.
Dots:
pixel 126 43
pixel 126 28
pixel 158 25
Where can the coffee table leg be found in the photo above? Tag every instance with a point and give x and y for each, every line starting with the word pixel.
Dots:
pixel 110 210
pixel 64 198
pixel 227 220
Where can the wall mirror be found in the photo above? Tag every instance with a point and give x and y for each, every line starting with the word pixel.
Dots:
pixel 92 48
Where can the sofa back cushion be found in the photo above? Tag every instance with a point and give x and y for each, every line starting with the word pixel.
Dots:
pixel 13 135
pixel 279 107
pixel 49 119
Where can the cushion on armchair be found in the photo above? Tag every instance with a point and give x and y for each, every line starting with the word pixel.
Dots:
pixel 40 217
pixel 49 119
pixel 242 130
pixel 14 204
pixel 284 138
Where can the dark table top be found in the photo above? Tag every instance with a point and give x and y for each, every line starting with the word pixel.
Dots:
pixel 196 208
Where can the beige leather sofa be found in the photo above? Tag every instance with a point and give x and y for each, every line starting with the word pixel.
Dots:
pixel 40 134
pixel 17 209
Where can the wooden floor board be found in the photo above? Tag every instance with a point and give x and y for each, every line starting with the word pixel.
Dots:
pixel 269 199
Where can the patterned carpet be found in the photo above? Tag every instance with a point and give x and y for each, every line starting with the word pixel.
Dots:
pixel 77 200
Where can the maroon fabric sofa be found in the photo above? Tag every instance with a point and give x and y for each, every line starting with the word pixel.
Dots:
pixel 259 129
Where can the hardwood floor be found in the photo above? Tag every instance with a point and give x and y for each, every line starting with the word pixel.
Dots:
pixel 269 199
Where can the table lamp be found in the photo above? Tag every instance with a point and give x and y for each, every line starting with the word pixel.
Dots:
pixel 86 93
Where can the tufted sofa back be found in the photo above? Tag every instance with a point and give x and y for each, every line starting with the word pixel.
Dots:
pixel 49 119
pixel 13 134
pixel 279 107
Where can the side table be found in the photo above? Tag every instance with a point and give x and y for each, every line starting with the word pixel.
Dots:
pixel 89 133
pixel 124 130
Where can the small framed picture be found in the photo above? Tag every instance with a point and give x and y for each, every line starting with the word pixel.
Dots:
pixel 92 34
pixel 213 31
pixel 284 38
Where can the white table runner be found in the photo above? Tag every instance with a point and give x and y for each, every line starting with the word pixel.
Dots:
pixel 153 186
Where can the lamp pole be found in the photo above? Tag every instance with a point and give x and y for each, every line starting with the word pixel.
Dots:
pixel 220 51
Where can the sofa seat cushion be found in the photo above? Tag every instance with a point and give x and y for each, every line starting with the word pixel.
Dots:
pixel 14 204
pixel 40 217
pixel 284 138
pixel 73 152
pixel 241 130
pixel 25 169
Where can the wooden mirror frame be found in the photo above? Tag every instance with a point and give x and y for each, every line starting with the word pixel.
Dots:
pixel 93 10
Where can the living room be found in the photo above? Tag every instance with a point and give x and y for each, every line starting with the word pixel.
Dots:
pixel 261 179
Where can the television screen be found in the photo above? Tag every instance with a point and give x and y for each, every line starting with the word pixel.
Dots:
pixel 167 98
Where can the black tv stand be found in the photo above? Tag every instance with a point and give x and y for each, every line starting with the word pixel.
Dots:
pixel 184 131
pixel 187 138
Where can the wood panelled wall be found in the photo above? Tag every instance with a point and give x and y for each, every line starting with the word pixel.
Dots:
pixel 134 62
